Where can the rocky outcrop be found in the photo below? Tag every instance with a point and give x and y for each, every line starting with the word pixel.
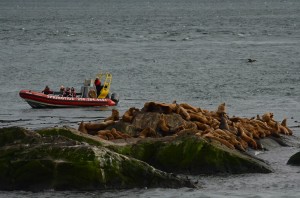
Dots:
pixel 62 159
pixel 137 149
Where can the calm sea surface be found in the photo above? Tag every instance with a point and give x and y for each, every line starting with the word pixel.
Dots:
pixel 192 51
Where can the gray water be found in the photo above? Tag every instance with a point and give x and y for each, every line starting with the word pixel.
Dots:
pixel 192 51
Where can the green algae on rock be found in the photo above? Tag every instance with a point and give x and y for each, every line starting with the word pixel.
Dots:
pixel 50 159
pixel 192 155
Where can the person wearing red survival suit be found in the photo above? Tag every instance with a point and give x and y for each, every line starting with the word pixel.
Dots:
pixel 98 86
pixel 47 90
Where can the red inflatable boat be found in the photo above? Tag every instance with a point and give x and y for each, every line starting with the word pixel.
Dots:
pixel 87 97
pixel 40 100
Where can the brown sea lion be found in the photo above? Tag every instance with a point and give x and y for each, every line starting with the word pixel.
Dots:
pixel 82 128
pixel 189 107
pixel 115 133
pixel 129 114
pixel 284 124
pixel 105 134
pixel 148 132
pixel 162 124
pixel 159 107
pixel 114 115
pixel 202 126
pixel 222 141
pixel 183 112
pixel 96 126
pixel 223 122
pixel 198 117
pixel 190 131
pixel 245 137
pixel 221 108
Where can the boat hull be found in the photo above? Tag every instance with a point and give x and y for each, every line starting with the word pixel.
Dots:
pixel 40 100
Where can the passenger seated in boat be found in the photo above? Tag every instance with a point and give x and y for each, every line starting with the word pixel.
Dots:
pixel 73 93
pixel 47 90
pixel 67 92
pixel 62 90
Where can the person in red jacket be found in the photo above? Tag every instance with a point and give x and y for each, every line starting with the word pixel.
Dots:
pixel 98 85
pixel 47 90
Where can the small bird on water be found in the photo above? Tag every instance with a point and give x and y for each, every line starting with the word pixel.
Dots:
pixel 251 60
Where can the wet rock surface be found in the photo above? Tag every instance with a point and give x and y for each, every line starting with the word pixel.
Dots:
pixel 63 160
pixel 294 160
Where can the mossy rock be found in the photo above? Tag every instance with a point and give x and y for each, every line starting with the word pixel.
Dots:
pixel 294 159
pixel 192 155
pixel 15 135
pixel 61 161
pixel 70 134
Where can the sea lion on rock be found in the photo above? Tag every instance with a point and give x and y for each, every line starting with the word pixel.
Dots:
pixel 148 132
pixel 96 126
pixel 184 114
pixel 129 114
pixel 190 131
pixel 189 107
pixel 105 134
pixel 223 122
pixel 159 107
pixel 114 115
pixel 162 124
pixel 198 117
pixel 221 108
pixel 115 133
pixel 245 137
pixel 284 124
pixel 202 126
pixel 222 141
pixel 82 128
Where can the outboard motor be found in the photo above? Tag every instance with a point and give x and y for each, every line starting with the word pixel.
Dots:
pixel 115 97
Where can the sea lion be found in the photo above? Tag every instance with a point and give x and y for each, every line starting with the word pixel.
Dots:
pixel 114 115
pixel 245 137
pixel 115 133
pixel 223 122
pixel 159 107
pixel 184 114
pixel 105 134
pixel 221 133
pixel 221 108
pixel 162 124
pixel 202 126
pixel 189 107
pixel 96 126
pixel 148 132
pixel 198 117
pixel 129 114
pixel 190 131
pixel 222 141
pixel 284 124
pixel 82 128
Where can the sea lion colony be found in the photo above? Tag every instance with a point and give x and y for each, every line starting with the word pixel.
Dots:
pixel 233 132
